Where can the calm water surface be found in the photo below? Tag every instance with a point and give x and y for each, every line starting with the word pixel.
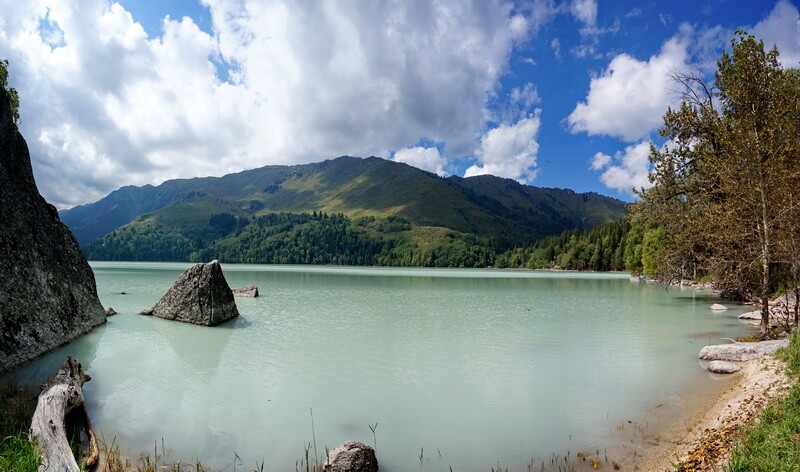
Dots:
pixel 474 367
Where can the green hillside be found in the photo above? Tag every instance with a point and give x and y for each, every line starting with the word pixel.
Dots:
pixel 404 215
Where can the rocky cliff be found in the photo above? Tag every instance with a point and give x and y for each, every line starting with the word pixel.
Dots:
pixel 48 294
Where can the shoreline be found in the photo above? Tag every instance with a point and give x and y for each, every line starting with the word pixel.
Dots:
pixel 703 438
pixel 700 439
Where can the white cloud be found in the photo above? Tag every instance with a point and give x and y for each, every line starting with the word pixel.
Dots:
pixel 585 50
pixel 782 28
pixel 336 78
pixel 600 160
pixel 104 105
pixel 708 46
pixel 555 45
pixel 634 12
pixel 517 104
pixel 539 12
pixel 428 159
pixel 627 170
pixel 629 98
pixel 509 150
pixel 585 11
pixel 526 96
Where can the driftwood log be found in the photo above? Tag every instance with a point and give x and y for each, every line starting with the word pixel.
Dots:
pixel 59 396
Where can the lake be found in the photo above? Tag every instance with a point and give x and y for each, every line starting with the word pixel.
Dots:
pixel 460 368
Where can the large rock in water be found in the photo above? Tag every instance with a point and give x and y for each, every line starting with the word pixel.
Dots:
pixel 351 456
pixel 48 294
pixel 250 291
pixel 201 295
pixel 751 315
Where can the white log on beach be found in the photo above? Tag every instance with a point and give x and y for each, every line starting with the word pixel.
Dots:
pixel 59 396
pixel 742 351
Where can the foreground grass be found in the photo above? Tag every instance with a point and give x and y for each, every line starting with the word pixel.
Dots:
pixel 17 454
pixel 772 443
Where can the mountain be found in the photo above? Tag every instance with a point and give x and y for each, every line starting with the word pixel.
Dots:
pixel 89 222
pixel 379 199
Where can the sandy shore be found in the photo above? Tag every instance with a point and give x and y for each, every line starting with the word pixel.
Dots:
pixel 703 439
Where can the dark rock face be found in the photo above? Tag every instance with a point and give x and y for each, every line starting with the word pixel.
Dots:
pixel 201 295
pixel 351 456
pixel 48 294
pixel 248 291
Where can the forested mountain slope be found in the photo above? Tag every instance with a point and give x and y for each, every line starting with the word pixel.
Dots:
pixel 388 203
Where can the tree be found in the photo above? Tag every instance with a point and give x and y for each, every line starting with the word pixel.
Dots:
pixel 13 96
pixel 719 187
pixel 652 251
pixel 790 229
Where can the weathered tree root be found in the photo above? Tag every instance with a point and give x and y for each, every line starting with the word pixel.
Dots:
pixel 93 454
pixel 59 396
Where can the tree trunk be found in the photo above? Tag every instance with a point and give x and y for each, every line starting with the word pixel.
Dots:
pixel 766 332
pixel 59 396
pixel 796 304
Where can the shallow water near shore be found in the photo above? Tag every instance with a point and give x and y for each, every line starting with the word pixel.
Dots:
pixel 462 368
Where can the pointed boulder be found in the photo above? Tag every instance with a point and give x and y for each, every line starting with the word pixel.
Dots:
pixel 201 295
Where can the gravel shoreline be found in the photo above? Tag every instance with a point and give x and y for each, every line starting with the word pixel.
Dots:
pixel 703 439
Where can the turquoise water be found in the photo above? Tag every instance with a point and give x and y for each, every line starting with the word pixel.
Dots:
pixel 473 367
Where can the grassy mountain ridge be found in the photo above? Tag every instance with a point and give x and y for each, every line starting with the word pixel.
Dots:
pixel 498 210
pixel 93 220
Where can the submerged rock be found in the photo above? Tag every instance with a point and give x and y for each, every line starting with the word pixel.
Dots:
pixel 48 294
pixel 723 367
pixel 351 456
pixel 248 291
pixel 751 315
pixel 201 295
pixel 741 351
pixel 718 307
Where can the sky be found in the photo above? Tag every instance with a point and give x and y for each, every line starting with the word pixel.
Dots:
pixel 552 93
